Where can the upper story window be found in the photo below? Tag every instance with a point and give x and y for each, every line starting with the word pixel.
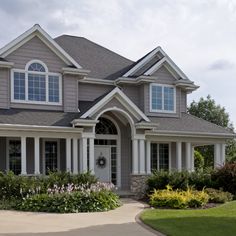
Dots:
pixel 36 84
pixel 162 98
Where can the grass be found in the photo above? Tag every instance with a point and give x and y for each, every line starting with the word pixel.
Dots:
pixel 216 221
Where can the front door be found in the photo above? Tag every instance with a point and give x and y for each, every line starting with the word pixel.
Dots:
pixel 102 167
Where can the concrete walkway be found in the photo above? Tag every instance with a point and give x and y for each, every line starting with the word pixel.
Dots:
pixel 119 222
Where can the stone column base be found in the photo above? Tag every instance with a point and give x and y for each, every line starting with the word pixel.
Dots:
pixel 138 184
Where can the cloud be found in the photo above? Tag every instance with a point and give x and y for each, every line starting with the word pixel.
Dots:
pixel 221 65
pixel 193 33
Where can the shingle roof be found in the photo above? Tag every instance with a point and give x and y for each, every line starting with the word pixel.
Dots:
pixel 102 62
pixel 36 117
pixel 188 123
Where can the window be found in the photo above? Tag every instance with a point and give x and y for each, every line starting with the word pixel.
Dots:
pixel 36 85
pixel 160 156
pixel 162 98
pixel 51 156
pixel 105 126
pixel 14 154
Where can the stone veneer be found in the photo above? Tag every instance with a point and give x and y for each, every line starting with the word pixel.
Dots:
pixel 138 185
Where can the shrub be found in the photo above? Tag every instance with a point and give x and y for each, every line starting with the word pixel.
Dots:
pixel 179 180
pixel 15 186
pixel 198 161
pixel 218 196
pixel 71 199
pixel 178 198
pixel 225 177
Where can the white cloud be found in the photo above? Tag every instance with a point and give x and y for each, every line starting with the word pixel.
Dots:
pixel 198 35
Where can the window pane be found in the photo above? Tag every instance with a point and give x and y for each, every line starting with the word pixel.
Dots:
pixel 15 156
pixel 168 99
pixel 36 67
pixel 50 156
pixel 154 156
pixel 163 157
pixel 19 86
pixel 36 87
pixel 156 97
pixel 53 86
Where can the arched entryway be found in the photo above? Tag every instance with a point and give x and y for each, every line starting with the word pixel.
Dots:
pixel 107 150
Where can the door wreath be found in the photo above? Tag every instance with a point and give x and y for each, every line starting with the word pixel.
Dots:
pixel 101 162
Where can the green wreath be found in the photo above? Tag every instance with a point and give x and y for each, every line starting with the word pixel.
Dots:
pixel 101 162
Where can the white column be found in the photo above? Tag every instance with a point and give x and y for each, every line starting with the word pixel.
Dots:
pixel 36 156
pixel 84 155
pixel 179 156
pixel 135 156
pixel 68 154
pixel 91 155
pixel 75 156
pixel 142 156
pixel 188 156
pixel 148 157
pixel 23 156
pixel 223 145
pixel 192 167
pixel 217 152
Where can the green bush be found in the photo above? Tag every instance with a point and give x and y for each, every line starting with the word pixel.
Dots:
pixel 179 180
pixel 178 199
pixel 77 201
pixel 16 186
pixel 218 196
pixel 225 177
pixel 198 161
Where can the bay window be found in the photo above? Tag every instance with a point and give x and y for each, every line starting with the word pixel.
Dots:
pixel 36 84
pixel 162 98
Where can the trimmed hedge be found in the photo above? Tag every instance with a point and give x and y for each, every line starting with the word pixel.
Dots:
pixel 218 196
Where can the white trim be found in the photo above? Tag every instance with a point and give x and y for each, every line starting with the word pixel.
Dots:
pixel 123 98
pixel 142 62
pixel 75 71
pixel 58 153
pixel 36 30
pixel 150 98
pixel 46 74
pixel 155 67
pixel 90 80
pixel 6 64
pixel 36 61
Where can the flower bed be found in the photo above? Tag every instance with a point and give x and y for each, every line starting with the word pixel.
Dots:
pixel 55 193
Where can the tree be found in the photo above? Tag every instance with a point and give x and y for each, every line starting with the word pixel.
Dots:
pixel 207 109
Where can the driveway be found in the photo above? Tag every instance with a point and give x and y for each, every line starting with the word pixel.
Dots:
pixel 119 222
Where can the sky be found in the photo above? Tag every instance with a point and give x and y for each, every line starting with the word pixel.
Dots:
pixel 199 35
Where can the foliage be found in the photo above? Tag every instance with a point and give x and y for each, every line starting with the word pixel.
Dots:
pixel 178 198
pixel 15 186
pixel 225 177
pixel 198 161
pixel 218 196
pixel 208 110
pixel 179 180
pixel 72 199
pixel 193 222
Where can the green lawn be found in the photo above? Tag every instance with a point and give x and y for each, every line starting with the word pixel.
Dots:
pixel 216 221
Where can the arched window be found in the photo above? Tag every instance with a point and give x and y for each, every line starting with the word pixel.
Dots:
pixel 105 126
pixel 36 84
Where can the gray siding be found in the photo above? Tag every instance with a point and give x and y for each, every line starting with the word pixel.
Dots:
pixel 36 49
pixel 133 92
pixel 70 93
pixel 4 88
pixel 183 106
pixel 164 76
pixel 3 154
pixel 89 92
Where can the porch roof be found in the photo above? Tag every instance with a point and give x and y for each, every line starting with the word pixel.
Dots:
pixel 189 124
pixel 37 117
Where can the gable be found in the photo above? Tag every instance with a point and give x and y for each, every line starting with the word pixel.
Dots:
pixel 36 49
pixel 163 75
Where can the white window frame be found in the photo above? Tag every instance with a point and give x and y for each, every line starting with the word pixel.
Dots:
pixel 46 73
pixel 58 153
pixel 150 98
pixel 158 154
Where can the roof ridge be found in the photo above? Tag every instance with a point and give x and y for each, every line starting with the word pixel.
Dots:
pixel 219 126
pixel 90 41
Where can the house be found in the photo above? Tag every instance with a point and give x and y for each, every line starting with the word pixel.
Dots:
pixel 70 104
